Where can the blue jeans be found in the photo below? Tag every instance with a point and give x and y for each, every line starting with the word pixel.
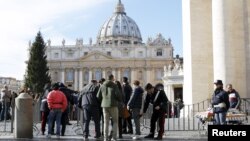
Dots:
pixel 220 118
pixel 55 114
pixel 5 110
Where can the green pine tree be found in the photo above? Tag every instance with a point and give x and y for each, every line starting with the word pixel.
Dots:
pixel 37 72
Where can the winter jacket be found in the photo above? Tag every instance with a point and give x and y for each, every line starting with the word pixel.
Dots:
pixel 127 91
pixel 89 96
pixel 69 94
pixel 5 95
pixel 109 94
pixel 234 99
pixel 161 101
pixel 57 100
pixel 44 106
pixel 220 97
pixel 136 98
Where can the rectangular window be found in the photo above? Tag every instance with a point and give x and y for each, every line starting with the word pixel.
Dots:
pixel 70 54
pixel 69 76
pixel 125 54
pixel 109 53
pixel 140 53
pixel 56 55
pixel 159 74
pixel 159 52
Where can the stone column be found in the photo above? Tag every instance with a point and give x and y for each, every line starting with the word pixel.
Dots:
pixel 219 44
pixel 133 75
pixel 229 43
pixel 23 126
pixel 148 75
pixel 76 79
pixel 114 72
pixel 90 74
pixel 197 50
pixel 80 79
pixel 119 74
pixel 63 75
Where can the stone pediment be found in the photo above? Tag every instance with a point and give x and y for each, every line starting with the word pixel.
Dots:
pixel 96 55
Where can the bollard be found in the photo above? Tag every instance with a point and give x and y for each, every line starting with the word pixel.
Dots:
pixel 23 125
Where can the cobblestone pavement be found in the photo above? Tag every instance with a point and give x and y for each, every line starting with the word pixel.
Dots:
pixel 74 133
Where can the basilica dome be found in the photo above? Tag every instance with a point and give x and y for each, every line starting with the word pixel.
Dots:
pixel 119 29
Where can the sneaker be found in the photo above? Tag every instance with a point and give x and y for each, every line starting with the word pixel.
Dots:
pixel 135 138
pixel 49 136
pixel 150 136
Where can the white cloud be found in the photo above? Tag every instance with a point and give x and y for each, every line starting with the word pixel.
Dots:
pixel 21 20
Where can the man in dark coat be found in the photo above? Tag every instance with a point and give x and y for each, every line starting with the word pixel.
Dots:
pixel 220 103
pixel 127 91
pixel 157 97
pixel 91 108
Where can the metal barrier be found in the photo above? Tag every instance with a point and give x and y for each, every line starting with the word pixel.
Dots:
pixel 185 120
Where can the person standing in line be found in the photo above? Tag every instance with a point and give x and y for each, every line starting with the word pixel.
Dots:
pixel 57 103
pixel 101 81
pixel 234 97
pixel 45 112
pixel 91 108
pixel 120 106
pixel 70 100
pixel 127 91
pixel 5 100
pixel 110 96
pixel 220 103
pixel 157 97
pixel 44 107
pixel 135 105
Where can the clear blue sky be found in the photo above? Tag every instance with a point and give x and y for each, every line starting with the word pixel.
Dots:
pixel 71 19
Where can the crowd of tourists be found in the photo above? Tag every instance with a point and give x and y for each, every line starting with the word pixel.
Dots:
pixel 110 103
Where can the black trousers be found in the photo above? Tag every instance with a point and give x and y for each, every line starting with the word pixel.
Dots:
pixel 157 115
pixel 127 123
pixel 88 113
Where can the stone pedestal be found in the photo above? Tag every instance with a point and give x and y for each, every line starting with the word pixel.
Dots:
pixel 23 124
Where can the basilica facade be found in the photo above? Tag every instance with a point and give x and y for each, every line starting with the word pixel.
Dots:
pixel 119 50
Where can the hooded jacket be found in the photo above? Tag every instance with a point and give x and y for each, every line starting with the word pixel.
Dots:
pixel 109 94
